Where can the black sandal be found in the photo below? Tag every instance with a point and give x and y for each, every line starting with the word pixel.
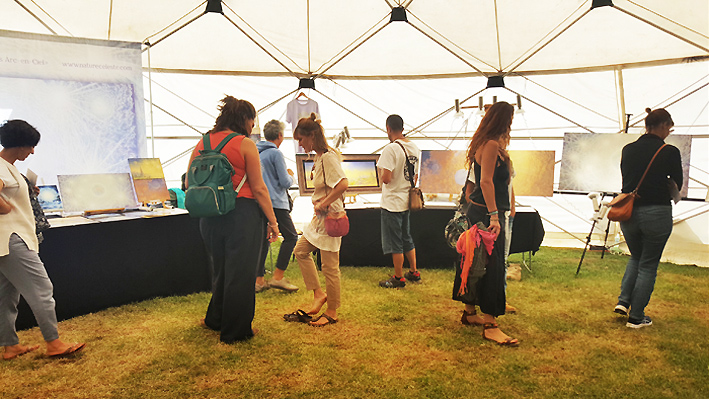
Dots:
pixel 330 320
pixel 509 341
pixel 299 316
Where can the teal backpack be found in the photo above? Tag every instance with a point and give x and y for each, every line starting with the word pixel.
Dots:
pixel 211 191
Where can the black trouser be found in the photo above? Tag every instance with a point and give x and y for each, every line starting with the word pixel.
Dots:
pixel 233 243
pixel 491 286
pixel 290 238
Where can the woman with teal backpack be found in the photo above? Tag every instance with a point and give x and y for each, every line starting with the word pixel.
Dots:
pixel 233 240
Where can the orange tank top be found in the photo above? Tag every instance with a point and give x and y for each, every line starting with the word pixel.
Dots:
pixel 233 152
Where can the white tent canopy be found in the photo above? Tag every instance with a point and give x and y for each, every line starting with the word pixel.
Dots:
pixel 356 39
pixel 578 66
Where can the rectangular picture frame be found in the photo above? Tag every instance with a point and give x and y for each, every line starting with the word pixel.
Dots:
pixel 360 169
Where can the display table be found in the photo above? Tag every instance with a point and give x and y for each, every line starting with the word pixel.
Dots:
pixel 363 245
pixel 94 266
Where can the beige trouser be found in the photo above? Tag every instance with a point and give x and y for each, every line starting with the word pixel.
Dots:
pixel 330 268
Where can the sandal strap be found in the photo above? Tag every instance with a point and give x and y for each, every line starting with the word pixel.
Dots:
pixel 489 326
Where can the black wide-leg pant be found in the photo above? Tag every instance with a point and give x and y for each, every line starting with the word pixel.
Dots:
pixel 233 243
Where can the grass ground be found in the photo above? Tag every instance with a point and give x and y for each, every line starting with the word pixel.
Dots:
pixel 405 343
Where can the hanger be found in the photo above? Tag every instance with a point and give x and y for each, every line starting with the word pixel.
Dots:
pixel 302 94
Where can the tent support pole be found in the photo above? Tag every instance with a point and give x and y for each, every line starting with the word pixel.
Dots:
pixel 642 117
pixel 150 93
pixel 275 102
pixel 346 109
pixel 706 50
pixel 552 111
pixel 182 26
pixel 548 41
pixel 447 49
pixel 260 46
pixel 35 16
pixel 620 95
pixel 349 52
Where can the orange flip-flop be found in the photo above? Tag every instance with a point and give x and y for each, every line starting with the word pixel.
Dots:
pixel 70 351
pixel 27 350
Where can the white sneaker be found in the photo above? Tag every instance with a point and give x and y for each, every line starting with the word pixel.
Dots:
pixel 620 309
pixel 645 322
pixel 283 284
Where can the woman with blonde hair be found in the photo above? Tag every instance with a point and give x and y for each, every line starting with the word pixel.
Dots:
pixel 234 240
pixel 330 184
pixel 488 157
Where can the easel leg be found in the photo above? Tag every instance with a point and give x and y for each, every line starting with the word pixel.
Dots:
pixel 588 241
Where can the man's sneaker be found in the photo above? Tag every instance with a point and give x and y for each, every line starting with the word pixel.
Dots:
pixel 282 284
pixel 621 309
pixel 414 277
pixel 261 288
pixel 645 322
pixel 393 282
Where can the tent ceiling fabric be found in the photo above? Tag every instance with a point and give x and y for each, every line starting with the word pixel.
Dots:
pixel 354 39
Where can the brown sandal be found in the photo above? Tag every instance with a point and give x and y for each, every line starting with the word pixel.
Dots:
pixel 465 322
pixel 509 341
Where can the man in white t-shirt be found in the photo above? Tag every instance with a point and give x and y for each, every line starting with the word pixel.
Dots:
pixel 397 175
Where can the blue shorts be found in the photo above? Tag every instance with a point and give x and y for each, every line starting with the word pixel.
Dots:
pixel 396 236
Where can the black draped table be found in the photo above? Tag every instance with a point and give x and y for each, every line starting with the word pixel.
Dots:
pixel 363 246
pixel 95 266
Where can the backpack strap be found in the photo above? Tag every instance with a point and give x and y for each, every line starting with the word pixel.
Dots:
pixel 222 143
pixel 409 165
pixel 220 146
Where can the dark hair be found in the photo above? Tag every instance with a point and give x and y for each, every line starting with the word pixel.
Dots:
pixel 493 126
pixel 395 123
pixel 311 127
pixel 233 114
pixel 273 129
pixel 18 133
pixel 657 117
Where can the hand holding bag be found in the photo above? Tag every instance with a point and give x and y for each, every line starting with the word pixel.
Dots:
pixel 416 202
pixel 621 208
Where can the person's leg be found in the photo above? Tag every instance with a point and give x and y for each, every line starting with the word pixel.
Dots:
pixel 331 270
pixel 290 238
pixel 491 287
pixel 243 248
pixel 634 240
pixel 409 248
pixel 656 226
pixel 302 251
pixel 9 298
pixel 492 292
pixel 261 270
pixel 24 270
pixel 392 243
pixel 213 238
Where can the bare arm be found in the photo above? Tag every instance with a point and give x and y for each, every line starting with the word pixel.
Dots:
pixel 258 187
pixel 386 175
pixel 487 158
pixel 513 211
pixel 335 193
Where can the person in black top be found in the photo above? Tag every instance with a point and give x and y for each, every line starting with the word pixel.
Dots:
pixel 649 227
pixel 487 155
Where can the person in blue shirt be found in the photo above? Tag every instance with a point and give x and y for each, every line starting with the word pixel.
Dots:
pixel 278 179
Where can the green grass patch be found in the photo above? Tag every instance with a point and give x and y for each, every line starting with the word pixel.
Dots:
pixel 403 343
